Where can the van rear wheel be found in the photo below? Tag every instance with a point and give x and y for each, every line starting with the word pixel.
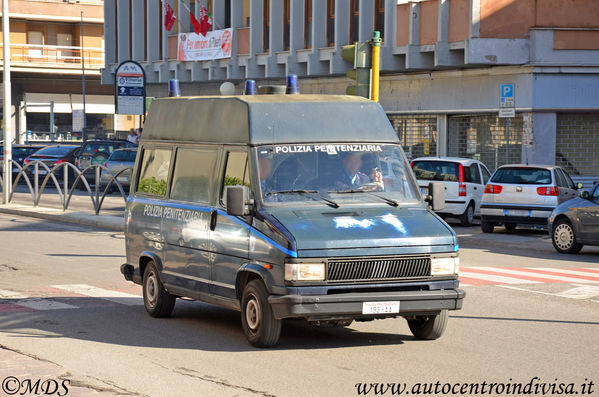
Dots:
pixel 259 324
pixel 158 302
pixel 428 327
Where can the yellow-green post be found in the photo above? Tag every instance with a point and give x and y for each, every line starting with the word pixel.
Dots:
pixel 376 65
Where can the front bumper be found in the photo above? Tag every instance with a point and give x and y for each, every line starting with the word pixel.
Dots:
pixel 349 305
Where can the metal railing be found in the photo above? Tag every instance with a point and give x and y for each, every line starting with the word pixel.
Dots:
pixel 54 55
pixel 66 192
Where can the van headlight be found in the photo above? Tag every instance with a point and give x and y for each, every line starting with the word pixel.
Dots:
pixel 445 266
pixel 304 271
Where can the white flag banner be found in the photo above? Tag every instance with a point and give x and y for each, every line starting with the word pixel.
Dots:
pixel 215 45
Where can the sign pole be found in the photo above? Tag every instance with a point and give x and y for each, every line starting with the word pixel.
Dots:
pixel 83 133
pixel 6 111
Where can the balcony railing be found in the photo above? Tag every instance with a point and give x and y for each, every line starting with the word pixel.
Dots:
pixel 55 56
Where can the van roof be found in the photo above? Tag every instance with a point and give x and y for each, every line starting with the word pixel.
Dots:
pixel 268 119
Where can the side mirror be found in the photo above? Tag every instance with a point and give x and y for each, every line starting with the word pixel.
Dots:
pixel 579 186
pixel 585 195
pixel 436 196
pixel 236 200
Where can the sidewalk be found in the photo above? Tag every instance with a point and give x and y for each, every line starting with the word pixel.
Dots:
pixel 108 222
pixel 16 367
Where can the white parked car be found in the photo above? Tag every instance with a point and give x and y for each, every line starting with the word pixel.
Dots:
pixel 464 181
pixel 524 194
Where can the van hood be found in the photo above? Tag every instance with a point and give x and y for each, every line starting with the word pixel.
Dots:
pixel 367 228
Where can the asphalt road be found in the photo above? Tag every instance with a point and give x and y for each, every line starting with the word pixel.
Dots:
pixel 63 299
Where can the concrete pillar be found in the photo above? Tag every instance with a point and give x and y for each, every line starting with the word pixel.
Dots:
pixel 153 16
pixel 218 14
pixel 414 58
pixel 234 71
pixel 137 30
pixel 256 43
pixel 474 31
pixel 124 41
pixel 296 38
pixel 442 135
pixel 366 20
pixel 184 22
pixel 390 62
pixel 22 135
pixel 443 55
pixel 110 56
pixel 542 150
pixel 319 38
pixel 338 65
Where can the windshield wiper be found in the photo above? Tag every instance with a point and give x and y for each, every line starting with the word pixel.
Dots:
pixel 313 194
pixel 389 201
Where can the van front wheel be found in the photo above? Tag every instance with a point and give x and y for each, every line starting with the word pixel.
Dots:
pixel 158 302
pixel 260 326
pixel 428 327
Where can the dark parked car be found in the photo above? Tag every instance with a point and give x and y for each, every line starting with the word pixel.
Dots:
pixel 19 154
pixel 98 151
pixel 52 155
pixel 576 222
pixel 118 161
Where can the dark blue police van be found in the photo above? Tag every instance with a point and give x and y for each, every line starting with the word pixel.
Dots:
pixel 276 206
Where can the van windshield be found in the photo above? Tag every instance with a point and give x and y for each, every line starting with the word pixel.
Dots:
pixel 339 172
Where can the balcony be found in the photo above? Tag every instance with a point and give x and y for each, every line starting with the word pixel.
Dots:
pixel 51 58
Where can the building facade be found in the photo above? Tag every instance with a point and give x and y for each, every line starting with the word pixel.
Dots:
pixel 444 63
pixel 49 40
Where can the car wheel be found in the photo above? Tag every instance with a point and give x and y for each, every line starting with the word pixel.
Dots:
pixel 259 324
pixel 468 216
pixel 428 327
pixel 510 227
pixel 487 227
pixel 158 302
pixel 564 239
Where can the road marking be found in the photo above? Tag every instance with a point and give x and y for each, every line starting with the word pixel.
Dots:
pixel 6 294
pixel 559 272
pixel 580 292
pixel 44 304
pixel 531 274
pixel 582 273
pixel 496 278
pixel 95 292
pixel 541 292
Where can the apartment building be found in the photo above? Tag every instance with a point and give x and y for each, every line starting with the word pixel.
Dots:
pixel 49 40
pixel 444 63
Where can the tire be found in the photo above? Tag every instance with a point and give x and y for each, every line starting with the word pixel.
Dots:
pixel 260 326
pixel 468 216
pixel 429 327
pixel 510 227
pixel 564 238
pixel 158 302
pixel 487 227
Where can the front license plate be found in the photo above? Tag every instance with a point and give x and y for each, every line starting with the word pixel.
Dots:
pixel 380 307
pixel 517 213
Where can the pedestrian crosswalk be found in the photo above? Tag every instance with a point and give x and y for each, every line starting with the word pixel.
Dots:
pixel 583 284
pixel 470 276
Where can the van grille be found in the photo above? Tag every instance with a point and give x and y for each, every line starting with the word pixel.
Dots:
pixel 381 268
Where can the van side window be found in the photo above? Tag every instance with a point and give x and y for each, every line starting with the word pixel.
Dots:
pixel 237 171
pixel 153 173
pixel 193 176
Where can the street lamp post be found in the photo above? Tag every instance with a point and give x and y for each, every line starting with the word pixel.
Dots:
pixel 6 111
pixel 83 133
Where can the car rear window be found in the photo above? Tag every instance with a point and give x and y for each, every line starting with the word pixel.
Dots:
pixel 123 155
pixel 55 150
pixel 101 147
pixel 436 170
pixel 522 176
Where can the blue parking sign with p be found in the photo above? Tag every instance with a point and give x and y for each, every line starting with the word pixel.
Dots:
pixel 507 91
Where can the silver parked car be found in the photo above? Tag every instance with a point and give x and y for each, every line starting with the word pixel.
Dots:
pixel 119 160
pixel 524 194
pixel 576 223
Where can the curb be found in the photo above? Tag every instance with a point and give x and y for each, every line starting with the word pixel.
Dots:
pixel 107 222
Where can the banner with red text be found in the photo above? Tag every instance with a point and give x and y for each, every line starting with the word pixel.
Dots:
pixel 215 45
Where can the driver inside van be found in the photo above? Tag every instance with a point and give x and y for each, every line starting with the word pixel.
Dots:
pixel 264 170
pixel 352 177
